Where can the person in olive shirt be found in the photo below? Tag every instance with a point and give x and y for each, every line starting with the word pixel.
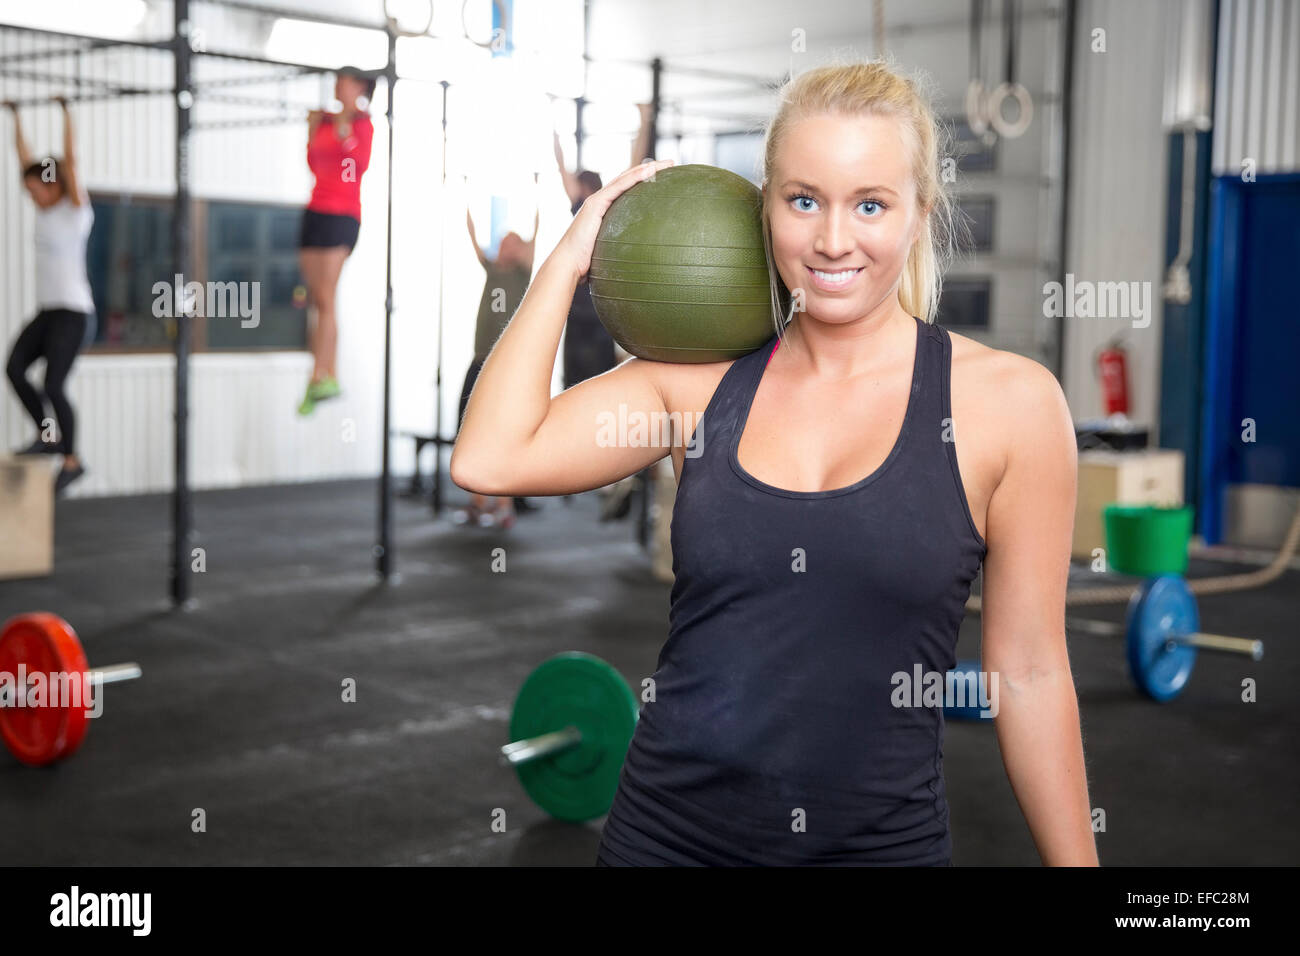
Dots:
pixel 507 280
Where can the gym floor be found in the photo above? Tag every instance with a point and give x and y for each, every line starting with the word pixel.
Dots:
pixel 240 709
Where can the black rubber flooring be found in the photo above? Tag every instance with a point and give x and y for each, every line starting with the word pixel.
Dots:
pixel 240 712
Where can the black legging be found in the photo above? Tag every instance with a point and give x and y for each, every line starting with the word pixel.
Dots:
pixel 55 335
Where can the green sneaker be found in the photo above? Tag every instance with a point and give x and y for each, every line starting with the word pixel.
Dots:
pixel 323 390
pixel 326 388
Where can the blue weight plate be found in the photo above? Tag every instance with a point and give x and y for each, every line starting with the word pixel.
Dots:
pixel 971 709
pixel 1163 608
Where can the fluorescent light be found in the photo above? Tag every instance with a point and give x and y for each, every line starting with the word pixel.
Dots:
pixel 118 19
pixel 302 41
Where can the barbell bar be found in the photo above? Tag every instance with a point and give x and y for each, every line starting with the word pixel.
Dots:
pixel 1162 637
pixel 51 730
pixel 1201 640
pixel 571 726
pixel 574 716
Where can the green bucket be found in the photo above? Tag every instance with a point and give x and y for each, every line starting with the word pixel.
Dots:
pixel 1146 540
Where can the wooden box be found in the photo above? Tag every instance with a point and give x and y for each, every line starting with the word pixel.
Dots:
pixel 26 516
pixel 1149 477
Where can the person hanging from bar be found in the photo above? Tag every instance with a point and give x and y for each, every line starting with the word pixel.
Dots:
pixel 588 349
pixel 508 275
pixel 65 307
pixel 338 153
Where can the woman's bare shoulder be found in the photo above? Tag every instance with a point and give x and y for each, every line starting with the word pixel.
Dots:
pixel 687 388
pixel 1006 403
pixel 987 372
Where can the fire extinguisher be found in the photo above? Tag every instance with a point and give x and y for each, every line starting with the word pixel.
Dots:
pixel 1112 369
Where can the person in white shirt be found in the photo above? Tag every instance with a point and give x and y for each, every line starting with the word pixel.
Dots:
pixel 64 302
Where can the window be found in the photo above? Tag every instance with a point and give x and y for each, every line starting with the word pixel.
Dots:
pixel 965 302
pixel 256 243
pixel 972 153
pixel 130 251
pixel 978 217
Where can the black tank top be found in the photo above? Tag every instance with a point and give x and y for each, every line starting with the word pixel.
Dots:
pixel 773 737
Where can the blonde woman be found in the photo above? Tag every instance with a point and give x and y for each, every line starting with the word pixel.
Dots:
pixel 853 475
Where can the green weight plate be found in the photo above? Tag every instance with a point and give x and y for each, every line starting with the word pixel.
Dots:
pixel 581 690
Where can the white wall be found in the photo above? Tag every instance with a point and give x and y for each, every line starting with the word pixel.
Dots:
pixel 1117 191
pixel 243 406
pixel 1257 109
pixel 245 429
pixel 931 36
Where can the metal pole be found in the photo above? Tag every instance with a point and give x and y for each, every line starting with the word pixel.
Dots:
pixel 91 98
pixel 1070 16
pixel 1221 643
pixel 266 61
pixel 384 550
pixel 47 54
pixel 646 478
pixel 579 132
pixel 112 674
pixel 181 506
pixel 656 89
pixel 1254 649
pixel 97 42
pixel 437 386
pixel 544 745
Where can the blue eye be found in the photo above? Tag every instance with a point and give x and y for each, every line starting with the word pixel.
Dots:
pixel 877 207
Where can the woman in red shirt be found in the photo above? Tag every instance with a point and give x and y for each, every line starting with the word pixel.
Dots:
pixel 338 152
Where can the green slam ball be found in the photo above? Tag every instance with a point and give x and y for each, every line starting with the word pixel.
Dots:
pixel 678 272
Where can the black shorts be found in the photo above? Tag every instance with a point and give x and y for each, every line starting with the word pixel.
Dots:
pixel 322 230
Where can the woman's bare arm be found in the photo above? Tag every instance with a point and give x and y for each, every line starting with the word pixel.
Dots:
pixel 572 188
pixel 515 439
pixel 473 240
pixel 641 146
pixel 72 179
pixel 20 142
pixel 1029 525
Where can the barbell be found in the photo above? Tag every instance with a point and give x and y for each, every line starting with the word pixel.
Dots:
pixel 571 725
pixel 1162 638
pixel 46 687
pixel 574 716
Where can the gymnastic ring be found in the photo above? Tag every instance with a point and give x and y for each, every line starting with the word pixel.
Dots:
pixel 1022 98
pixel 501 14
pixel 393 22
pixel 975 117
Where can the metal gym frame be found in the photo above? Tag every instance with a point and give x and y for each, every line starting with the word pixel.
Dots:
pixel 185 92
pixel 747 84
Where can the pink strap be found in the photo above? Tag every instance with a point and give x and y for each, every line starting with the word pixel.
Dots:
pixel 773 352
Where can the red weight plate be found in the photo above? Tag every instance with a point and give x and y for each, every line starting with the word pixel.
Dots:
pixel 45 644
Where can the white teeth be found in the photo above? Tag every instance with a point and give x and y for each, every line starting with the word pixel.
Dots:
pixel 836 278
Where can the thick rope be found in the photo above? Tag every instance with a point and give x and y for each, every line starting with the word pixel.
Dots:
pixel 1121 593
